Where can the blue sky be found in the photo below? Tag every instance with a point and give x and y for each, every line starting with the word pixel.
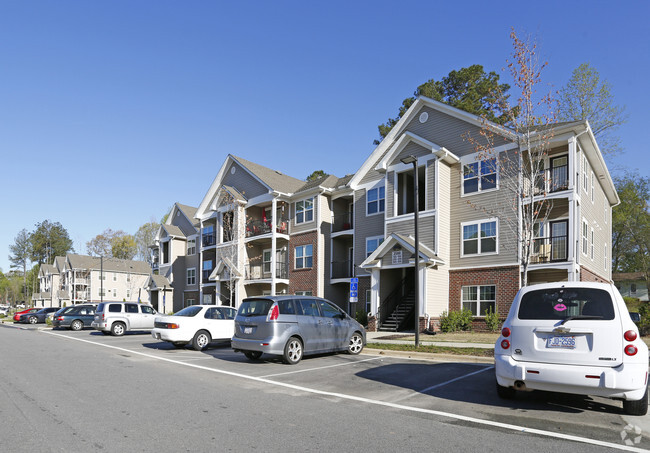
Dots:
pixel 110 111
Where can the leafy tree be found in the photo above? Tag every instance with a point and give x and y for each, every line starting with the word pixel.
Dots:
pixel 101 245
pixel 49 240
pixel 316 175
pixel 586 97
pixel 144 237
pixel 631 225
pixel 470 89
pixel 20 253
pixel 123 247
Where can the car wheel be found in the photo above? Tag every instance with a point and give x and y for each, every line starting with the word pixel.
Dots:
pixel 179 344
pixel 292 351
pixel 506 393
pixel 33 319
pixel 76 325
pixel 639 407
pixel 253 355
pixel 118 329
pixel 356 344
pixel 201 340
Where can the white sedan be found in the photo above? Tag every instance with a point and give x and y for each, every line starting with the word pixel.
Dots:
pixel 196 324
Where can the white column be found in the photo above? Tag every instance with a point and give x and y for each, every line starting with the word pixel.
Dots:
pixel 274 233
pixel 374 291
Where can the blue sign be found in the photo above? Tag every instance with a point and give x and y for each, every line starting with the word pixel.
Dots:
pixel 354 289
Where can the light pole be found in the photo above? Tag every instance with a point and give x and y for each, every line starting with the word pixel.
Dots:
pixel 416 210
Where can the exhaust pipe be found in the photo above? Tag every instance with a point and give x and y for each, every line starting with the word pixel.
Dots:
pixel 521 386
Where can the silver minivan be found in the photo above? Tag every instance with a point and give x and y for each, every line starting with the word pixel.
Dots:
pixel 294 326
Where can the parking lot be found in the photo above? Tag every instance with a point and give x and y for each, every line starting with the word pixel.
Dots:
pixel 463 392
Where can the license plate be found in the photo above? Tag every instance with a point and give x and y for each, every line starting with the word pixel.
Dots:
pixel 561 342
pixel 248 330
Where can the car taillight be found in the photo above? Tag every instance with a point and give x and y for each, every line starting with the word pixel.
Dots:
pixel 59 318
pixel 505 332
pixel 171 325
pixel 630 335
pixel 505 344
pixel 630 349
pixel 275 312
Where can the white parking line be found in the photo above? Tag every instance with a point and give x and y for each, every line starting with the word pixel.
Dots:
pixel 319 368
pixel 442 384
pixel 478 421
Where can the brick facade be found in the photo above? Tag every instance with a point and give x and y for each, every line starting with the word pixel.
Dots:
pixel 587 276
pixel 303 279
pixel 506 280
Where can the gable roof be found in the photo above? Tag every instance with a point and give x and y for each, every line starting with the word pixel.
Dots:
pixel 173 230
pixel 427 257
pixel 157 281
pixel 274 179
pixel 109 264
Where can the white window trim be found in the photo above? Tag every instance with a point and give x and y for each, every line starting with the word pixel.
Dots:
pixel 188 246
pixel 479 222
pixel 585 179
pixel 377 187
pixel 478 298
pixel 295 256
pixel 372 238
pixel 313 215
pixel 605 256
pixel 591 239
pixel 304 293
pixel 584 236
pixel 592 187
pixel 270 261
pixel 474 159
pixel 187 276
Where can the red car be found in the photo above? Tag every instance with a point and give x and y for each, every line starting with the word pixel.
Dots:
pixel 27 310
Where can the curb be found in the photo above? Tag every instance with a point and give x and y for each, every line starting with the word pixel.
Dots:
pixel 428 356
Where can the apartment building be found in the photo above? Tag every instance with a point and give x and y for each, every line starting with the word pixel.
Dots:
pixel 259 231
pixel 175 258
pixel 50 294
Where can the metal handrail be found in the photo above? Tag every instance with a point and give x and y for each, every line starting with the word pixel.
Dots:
pixel 391 302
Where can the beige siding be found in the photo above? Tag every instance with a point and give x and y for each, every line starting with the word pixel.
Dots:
pixel 305 226
pixel 447 131
pixel 426 229
pixel 437 291
pixel 444 212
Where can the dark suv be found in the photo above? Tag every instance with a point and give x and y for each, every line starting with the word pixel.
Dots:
pixel 75 318
pixel 293 326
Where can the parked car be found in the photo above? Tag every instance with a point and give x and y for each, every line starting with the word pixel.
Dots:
pixel 4 311
pixel 573 337
pixel 117 318
pixel 196 324
pixel 293 326
pixel 22 312
pixel 75 317
pixel 37 316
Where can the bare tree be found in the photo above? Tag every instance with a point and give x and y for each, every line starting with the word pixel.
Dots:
pixel 522 179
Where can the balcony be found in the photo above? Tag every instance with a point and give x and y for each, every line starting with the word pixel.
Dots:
pixel 262 271
pixel 548 250
pixel 555 179
pixel 258 227
pixel 342 222
pixel 206 275
pixel 342 269
pixel 208 240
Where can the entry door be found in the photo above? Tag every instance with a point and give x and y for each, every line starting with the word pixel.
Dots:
pixel 559 240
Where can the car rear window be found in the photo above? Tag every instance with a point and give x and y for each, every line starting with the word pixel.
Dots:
pixel 190 311
pixel 255 307
pixel 563 303
pixel 115 308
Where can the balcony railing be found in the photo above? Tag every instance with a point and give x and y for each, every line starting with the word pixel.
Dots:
pixel 555 179
pixel 546 250
pixel 208 239
pixel 206 274
pixel 263 271
pixel 342 269
pixel 342 222
pixel 257 227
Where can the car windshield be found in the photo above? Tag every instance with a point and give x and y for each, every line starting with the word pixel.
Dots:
pixel 255 307
pixel 190 311
pixel 564 304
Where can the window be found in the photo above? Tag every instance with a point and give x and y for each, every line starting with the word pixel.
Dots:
pixel 592 243
pixel 114 293
pixel 585 236
pixel 479 299
pixel 227 226
pixel 131 308
pixel 304 293
pixel 146 310
pixel 328 310
pixel 479 238
pixel 191 246
pixel 305 210
pixel 102 292
pixel 592 186
pixel 633 288
pixel 304 256
pixel 372 244
pixel 128 293
pixel 189 302
pixel 266 261
pixel 207 270
pixel 368 301
pixel 585 180
pixel 191 276
pixel 114 276
pixel 480 176
pixel 376 200
pixel 405 187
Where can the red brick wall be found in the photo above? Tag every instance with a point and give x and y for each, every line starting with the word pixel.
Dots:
pixel 506 280
pixel 588 276
pixel 303 279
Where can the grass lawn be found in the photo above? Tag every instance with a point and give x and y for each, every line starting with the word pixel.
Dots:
pixel 478 352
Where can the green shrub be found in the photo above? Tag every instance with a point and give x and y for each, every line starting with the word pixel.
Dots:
pixel 492 320
pixel 362 317
pixel 456 320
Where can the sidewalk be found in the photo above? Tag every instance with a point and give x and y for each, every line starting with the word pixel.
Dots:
pixel 429 340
